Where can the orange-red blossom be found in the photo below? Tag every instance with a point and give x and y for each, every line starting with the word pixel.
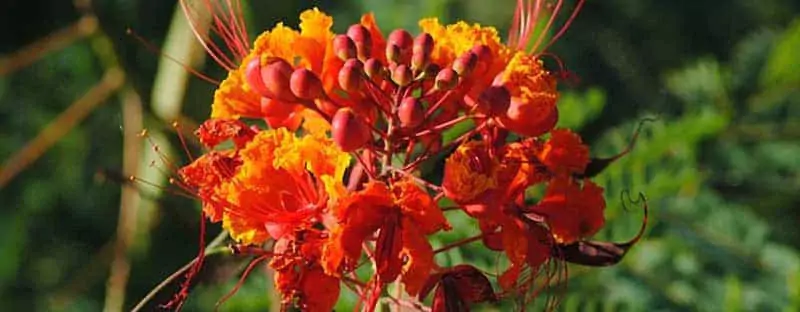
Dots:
pixel 328 177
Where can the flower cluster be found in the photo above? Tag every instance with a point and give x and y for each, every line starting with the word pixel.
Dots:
pixel 330 181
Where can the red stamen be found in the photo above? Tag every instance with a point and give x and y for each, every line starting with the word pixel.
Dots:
pixel 155 50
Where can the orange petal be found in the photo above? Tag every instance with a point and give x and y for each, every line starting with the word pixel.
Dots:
pixel 419 254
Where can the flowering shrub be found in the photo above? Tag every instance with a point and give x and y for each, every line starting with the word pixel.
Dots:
pixel 331 181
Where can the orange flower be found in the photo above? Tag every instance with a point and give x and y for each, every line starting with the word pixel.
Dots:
pixel 533 96
pixel 572 212
pixel 564 153
pixel 403 215
pixel 283 185
pixel 299 276
pixel 469 173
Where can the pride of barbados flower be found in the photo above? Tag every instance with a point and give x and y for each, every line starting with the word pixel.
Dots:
pixel 328 135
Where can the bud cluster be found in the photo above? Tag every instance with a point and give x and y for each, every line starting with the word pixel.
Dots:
pixel 336 179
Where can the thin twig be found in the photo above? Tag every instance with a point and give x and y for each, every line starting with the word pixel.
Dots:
pixel 112 80
pixel 56 41
pixel 210 250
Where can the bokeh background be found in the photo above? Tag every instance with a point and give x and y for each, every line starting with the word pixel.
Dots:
pixel 720 165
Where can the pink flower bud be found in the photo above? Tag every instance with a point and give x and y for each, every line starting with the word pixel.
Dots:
pixel 373 68
pixel 362 39
pixel 465 63
pixel 349 131
pixel 402 75
pixel 404 42
pixel 410 112
pixel 306 85
pixel 276 76
pixel 446 79
pixel 344 47
pixel 350 75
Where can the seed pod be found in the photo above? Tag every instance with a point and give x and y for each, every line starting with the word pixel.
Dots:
pixel 498 99
pixel 363 40
pixel 404 42
pixel 402 75
pixel 465 64
pixel 344 47
pixel 446 79
pixel 410 112
pixel 305 84
pixel 348 130
pixel 276 76
pixel 350 75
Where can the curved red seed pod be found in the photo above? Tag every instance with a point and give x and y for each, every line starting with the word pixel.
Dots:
pixel 348 130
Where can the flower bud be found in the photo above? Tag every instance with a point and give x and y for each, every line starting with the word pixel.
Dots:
pixel 276 76
pixel 404 42
pixel 305 84
pixel 350 75
pixel 252 75
pixel 363 40
pixel 373 68
pixel 421 55
pixel 484 54
pixel 446 79
pixel 465 63
pixel 344 47
pixel 402 76
pixel 498 98
pixel 349 131
pixel 393 53
pixel 410 112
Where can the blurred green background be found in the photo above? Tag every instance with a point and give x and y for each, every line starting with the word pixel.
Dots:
pixel 720 165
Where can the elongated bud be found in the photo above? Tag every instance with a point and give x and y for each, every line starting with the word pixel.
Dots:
pixel 363 40
pixel 485 56
pixel 276 76
pixel 498 99
pixel 350 75
pixel 305 84
pixel 403 42
pixel 393 53
pixel 446 79
pixel 344 47
pixel 411 113
pixel 465 63
pixel 402 76
pixel 349 131
pixel 421 55
pixel 373 68
pixel 252 74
